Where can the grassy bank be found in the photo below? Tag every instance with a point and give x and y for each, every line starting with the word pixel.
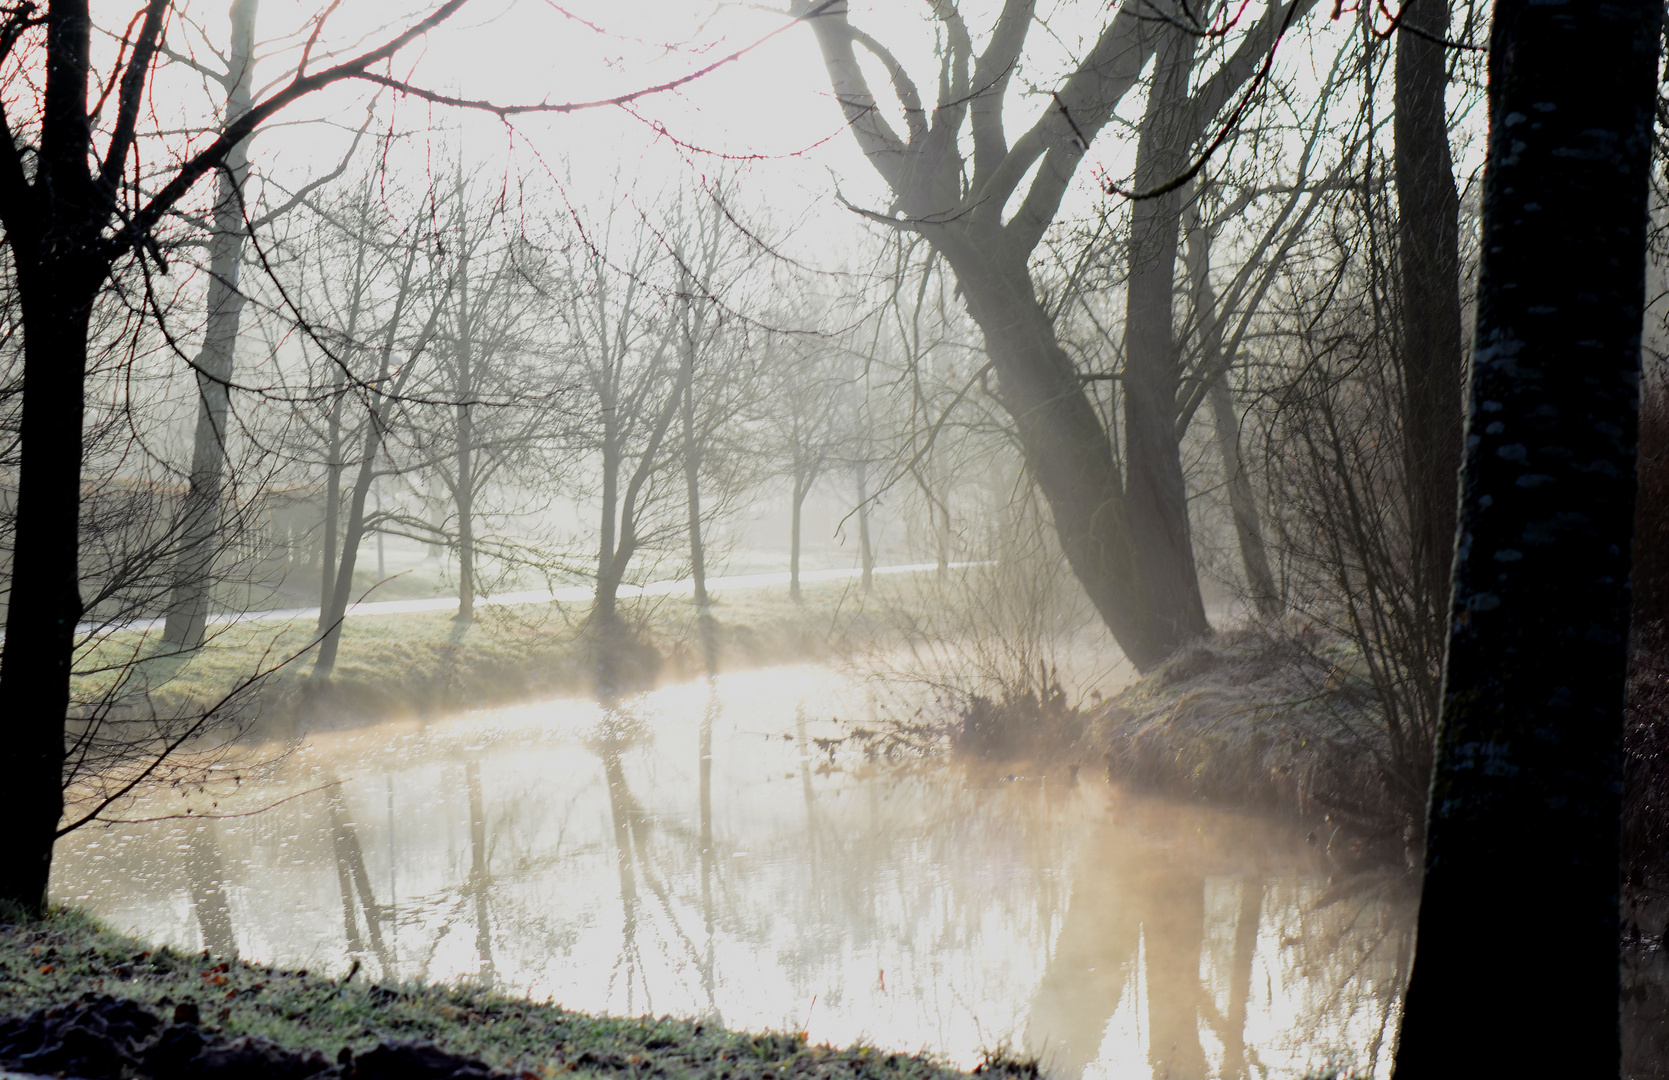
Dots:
pixel 420 663
pixel 1281 719
pixel 54 961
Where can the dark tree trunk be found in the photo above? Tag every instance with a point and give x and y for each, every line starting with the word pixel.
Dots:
pixel 200 517
pixel 1433 353
pixel 1156 494
pixel 53 230
pixel 45 601
pixel 1525 800
pixel 1067 451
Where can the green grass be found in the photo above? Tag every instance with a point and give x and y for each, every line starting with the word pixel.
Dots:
pixel 56 959
pixel 410 664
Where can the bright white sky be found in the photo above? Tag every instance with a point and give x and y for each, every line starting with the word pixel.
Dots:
pixel 772 107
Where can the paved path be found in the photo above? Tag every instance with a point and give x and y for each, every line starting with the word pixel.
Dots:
pixel 577 594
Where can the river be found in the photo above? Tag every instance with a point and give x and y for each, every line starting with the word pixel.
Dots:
pixel 698 850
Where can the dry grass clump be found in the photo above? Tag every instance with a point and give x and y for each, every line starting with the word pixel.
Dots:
pixel 1280 716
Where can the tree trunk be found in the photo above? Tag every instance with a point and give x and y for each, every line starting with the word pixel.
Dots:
pixel 1068 453
pixel 1156 494
pixel 331 616
pixel 799 498
pixel 1433 354
pixel 603 610
pixel 464 492
pixel 1243 506
pixel 333 500
pixel 1525 801
pixel 200 517
pixel 866 548
pixel 692 472
pixel 45 602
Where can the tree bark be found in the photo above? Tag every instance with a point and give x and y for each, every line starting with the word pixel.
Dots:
pixel 1433 352
pixel 200 517
pixel 1525 801
pixel 45 601
pixel 1156 494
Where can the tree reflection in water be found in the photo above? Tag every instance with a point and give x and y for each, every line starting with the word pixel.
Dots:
pixel 699 850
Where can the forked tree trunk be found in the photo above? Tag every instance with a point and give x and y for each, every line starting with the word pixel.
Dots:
pixel 200 517
pixel 1525 803
pixel 1068 453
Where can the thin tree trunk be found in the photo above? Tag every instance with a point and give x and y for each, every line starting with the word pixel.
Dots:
pixel 603 610
pixel 331 616
pixel 941 531
pixel 200 517
pixel 799 498
pixel 464 490
pixel 1433 353
pixel 1243 507
pixel 1525 802
pixel 692 469
pixel 376 421
pixel 333 499
pixel 866 548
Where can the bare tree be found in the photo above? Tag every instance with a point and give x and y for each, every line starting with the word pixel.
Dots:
pixel 1122 519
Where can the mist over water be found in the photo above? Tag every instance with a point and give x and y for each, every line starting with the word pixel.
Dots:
pixel 697 850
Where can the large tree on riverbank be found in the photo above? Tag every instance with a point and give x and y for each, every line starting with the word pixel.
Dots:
pixel 1120 510
pixel 1523 823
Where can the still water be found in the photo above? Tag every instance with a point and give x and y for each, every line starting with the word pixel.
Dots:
pixel 697 850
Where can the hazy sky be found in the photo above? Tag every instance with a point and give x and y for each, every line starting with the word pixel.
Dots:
pixel 769 114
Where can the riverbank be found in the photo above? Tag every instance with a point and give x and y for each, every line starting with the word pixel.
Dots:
pixel 1276 718
pixel 53 962
pixel 420 663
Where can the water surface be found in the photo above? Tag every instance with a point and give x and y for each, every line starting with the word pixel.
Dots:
pixel 699 850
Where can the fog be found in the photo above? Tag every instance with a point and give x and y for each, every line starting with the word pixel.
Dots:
pixel 922 525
